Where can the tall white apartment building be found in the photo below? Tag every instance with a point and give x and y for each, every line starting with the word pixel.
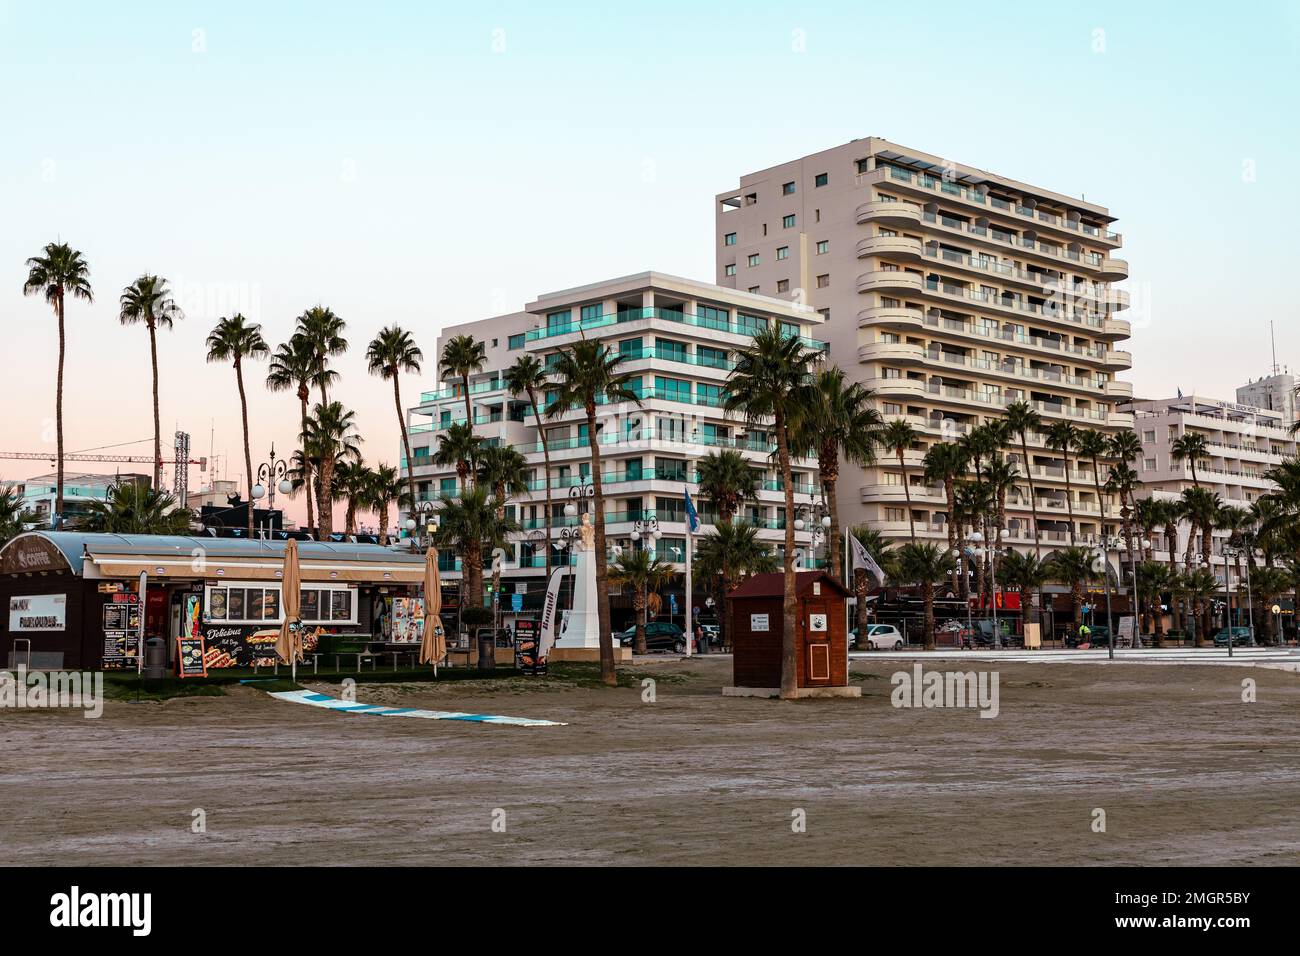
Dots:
pixel 678 338
pixel 1244 443
pixel 951 292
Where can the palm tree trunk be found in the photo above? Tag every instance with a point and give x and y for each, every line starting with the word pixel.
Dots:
pixel 324 500
pixel 950 492
pixel 860 590
pixel 608 676
pixel 1069 495
pixel 303 396
pixel 907 493
pixel 927 593
pixel 641 601
pixel 1033 494
pixel 546 477
pixel 383 521
pixel 406 445
pixel 157 427
pixel 1171 542
pixel 248 455
pixel 837 561
pixel 790 607
pixel 58 414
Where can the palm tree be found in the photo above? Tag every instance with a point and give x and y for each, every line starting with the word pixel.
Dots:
pixel 1165 514
pixel 471 524
pixel 458 447
pixel 390 353
pixel 1092 444
pixel 331 437
pixel 57 273
pixel 1190 447
pixel 1238 523
pixel 899 436
pixel 1027 573
pixel 639 571
pixel 726 556
pixel 762 384
pixel 839 423
pixel 1153 580
pixel 925 564
pixel 1146 514
pixel 14 515
pixel 587 374
pixel 323 332
pixel 944 463
pixel 293 366
pixel 1125 447
pixel 528 376
pixel 148 300
pixel 1000 476
pixel 1022 418
pixel 1268 584
pixel 1073 566
pixel 132 507
pixel 727 480
pixel 1061 437
pixel 1199 587
pixel 351 483
pixel 233 340
pixel 462 356
pixel 975 499
pixel 504 472
pixel 386 487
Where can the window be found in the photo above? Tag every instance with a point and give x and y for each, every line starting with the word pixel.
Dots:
pixel 516 341
pixel 790 330
pixel 711 357
pixel 821 179
pixel 823 247
pixel 753 259
pixel 782 252
pixel 558 320
pixel 1148 438
pixel 712 318
pixel 670 349
pixel 260 604
pixel 782 285
pixel 1148 464
pixel 823 281
pixel 630 348
pixel 730 269
pixel 825 314
pixel 787 189
pixel 864 165
pixel 671 550
pixel 710 395
pixel 753 289
pixel 447 486
pixel 787 222
pixel 494 343
pixel 669 469
pixel 729 239
pixel 591 312
pixel 672 389
pixel 750 324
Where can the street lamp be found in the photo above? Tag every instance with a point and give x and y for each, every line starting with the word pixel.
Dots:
pixel 647 528
pixel 1231 551
pixel 814 517
pixel 1102 557
pixel 271 475
pixel 426 520
pixel 976 549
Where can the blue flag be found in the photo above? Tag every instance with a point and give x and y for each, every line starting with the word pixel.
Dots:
pixel 692 518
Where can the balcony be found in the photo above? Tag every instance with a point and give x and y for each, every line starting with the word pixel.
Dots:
pixel 885 280
pixel 899 353
pixel 1049 311
pixel 906 388
pixel 889 213
pixel 1056 345
pixel 747 329
pixel 1114 328
pixel 892 317
pixel 1113 270
pixel 929 495
pixel 933 188
pixel 1122 390
pixel 1119 358
pixel 1001 239
pixel 897 247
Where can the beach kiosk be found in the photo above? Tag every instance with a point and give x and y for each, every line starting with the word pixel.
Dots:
pixel 88 600
pixel 821 639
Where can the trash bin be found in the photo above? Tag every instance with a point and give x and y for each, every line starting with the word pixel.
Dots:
pixel 155 658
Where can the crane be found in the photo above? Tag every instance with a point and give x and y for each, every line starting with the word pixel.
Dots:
pixel 72 456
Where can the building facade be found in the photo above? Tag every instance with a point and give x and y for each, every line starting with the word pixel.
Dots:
pixel 1275 392
pixel 951 293
pixel 80 490
pixel 678 338
pixel 1244 443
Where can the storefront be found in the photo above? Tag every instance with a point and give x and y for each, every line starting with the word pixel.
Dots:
pixel 75 600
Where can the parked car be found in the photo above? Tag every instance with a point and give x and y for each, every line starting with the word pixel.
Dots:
pixel 884 637
pixel 659 636
pixel 1240 636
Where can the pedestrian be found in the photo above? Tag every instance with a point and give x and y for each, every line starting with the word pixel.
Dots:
pixel 701 639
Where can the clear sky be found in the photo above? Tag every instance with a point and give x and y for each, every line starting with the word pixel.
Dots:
pixel 429 163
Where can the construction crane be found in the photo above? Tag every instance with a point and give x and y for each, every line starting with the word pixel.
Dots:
pixel 142 459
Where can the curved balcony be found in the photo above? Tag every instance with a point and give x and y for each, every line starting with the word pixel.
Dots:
pixel 1119 299
pixel 896 353
pixel 892 317
pixel 884 280
pixel 1112 270
pixel 1120 389
pixel 905 388
pixel 1116 329
pixel 889 213
pixel 897 247
pixel 895 495
pixel 1118 358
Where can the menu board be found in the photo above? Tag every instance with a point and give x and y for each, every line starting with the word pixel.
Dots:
pixel 407 621
pixel 526 658
pixel 121 630
pixel 190 657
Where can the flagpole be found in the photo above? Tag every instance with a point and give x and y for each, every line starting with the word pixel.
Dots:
pixel 690 628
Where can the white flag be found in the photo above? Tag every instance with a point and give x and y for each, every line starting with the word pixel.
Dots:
pixel 862 559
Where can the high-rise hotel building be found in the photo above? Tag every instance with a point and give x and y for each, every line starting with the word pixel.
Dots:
pixel 950 292
pixel 678 339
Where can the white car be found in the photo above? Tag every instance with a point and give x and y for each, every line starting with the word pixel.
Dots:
pixel 884 637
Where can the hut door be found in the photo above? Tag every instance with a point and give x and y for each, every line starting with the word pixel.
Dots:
pixel 817 638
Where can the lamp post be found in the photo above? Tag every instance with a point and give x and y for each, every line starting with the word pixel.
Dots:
pixel 1102 555
pixel 271 474
pixel 814 517
pixel 975 548
pixel 1231 551
pixel 426 523
pixel 648 528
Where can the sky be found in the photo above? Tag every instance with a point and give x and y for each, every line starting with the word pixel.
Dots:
pixel 428 164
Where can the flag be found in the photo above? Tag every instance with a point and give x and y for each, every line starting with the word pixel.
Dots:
pixel 692 518
pixel 862 559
